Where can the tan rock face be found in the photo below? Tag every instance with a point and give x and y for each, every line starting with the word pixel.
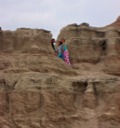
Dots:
pixel 118 19
pixel 116 23
pixel 90 44
pixel 25 39
pixel 39 90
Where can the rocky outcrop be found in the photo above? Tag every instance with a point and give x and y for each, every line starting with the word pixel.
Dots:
pixel 89 43
pixel 39 90
pixel 25 39
pixel 93 45
pixel 116 23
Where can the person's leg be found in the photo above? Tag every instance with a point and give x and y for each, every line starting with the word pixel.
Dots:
pixel 66 57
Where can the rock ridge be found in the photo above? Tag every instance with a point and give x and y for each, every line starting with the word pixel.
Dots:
pixel 39 90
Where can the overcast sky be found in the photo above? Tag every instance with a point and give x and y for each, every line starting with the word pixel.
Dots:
pixel 53 15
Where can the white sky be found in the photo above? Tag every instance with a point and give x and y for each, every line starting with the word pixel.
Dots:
pixel 53 15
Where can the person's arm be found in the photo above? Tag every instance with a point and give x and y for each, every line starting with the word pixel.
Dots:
pixel 53 46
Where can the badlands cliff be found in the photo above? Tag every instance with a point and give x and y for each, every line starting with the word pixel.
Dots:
pixel 38 90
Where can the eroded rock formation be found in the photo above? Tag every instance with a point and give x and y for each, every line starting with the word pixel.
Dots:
pixel 116 23
pixel 24 39
pixel 38 90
